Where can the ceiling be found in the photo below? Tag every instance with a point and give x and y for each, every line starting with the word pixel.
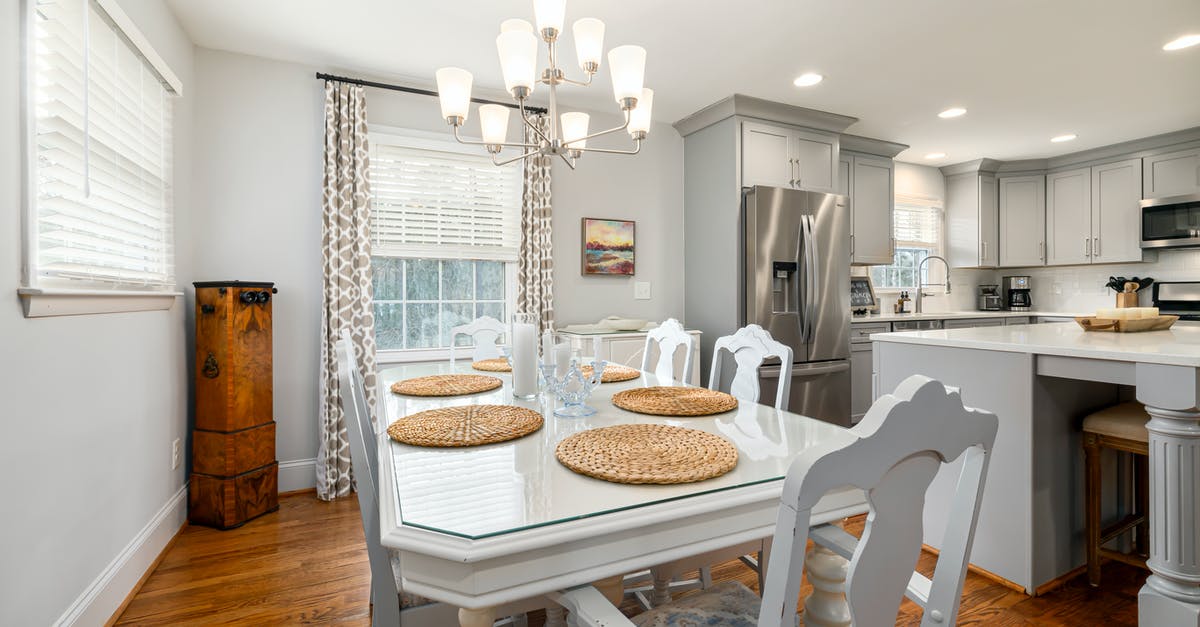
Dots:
pixel 1025 70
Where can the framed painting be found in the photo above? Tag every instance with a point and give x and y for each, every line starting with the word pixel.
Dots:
pixel 608 247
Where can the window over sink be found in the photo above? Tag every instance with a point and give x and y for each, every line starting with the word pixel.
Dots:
pixel 918 226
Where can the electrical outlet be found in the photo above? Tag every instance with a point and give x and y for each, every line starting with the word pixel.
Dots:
pixel 175 450
pixel 641 290
pixel 1057 289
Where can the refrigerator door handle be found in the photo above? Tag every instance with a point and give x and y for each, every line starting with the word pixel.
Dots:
pixel 810 248
pixel 802 281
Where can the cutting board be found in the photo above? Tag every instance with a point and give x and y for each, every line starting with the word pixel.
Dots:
pixel 1092 323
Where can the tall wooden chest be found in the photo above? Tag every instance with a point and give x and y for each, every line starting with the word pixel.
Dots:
pixel 235 476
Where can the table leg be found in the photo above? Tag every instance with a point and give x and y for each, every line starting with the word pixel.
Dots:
pixel 826 606
pixel 1171 595
pixel 483 617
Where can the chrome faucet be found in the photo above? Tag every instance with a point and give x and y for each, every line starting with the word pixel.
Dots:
pixel 921 284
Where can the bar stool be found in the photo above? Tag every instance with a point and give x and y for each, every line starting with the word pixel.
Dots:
pixel 1122 428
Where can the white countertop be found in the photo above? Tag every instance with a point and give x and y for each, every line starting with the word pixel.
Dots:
pixel 958 315
pixel 1178 346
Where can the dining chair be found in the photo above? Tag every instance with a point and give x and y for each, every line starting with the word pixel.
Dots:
pixel 901 443
pixel 484 332
pixel 668 337
pixel 749 347
pixel 389 601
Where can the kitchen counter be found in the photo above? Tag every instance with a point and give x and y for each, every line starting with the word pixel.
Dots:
pixel 958 315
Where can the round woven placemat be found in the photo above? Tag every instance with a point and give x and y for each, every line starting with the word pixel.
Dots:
pixel 446 385
pixel 498 364
pixel 614 373
pixel 674 401
pixel 465 425
pixel 647 453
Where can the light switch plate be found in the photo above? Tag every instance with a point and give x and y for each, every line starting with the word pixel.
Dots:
pixel 641 290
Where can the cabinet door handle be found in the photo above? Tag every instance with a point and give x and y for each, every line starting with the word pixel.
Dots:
pixel 1087 247
pixel 1041 251
pixel 1096 246
pixel 983 251
pixel 892 246
pixel 851 246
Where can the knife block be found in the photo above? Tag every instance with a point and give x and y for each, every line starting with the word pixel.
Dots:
pixel 235 476
pixel 1127 299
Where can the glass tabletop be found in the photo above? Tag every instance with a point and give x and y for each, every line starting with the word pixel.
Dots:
pixel 491 490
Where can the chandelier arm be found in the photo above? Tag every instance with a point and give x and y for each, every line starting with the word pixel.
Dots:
pixel 570 162
pixel 571 81
pixel 637 149
pixel 525 117
pixel 604 132
pixel 471 142
pixel 512 159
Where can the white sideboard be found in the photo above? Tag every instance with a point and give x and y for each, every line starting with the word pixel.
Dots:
pixel 625 348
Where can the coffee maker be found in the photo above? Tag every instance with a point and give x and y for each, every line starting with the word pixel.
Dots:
pixel 1016 293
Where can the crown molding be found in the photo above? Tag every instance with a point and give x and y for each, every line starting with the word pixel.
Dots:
pixel 750 107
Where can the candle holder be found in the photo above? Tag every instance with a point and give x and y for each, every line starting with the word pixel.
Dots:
pixel 572 388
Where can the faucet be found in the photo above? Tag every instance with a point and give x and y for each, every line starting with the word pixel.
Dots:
pixel 921 284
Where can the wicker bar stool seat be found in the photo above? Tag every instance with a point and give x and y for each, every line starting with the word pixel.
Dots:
pixel 1122 428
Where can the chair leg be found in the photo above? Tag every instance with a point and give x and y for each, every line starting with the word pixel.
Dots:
pixel 1091 489
pixel 662 588
pixel 1141 487
pixel 705 577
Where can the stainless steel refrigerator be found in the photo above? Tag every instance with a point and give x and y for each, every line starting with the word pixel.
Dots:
pixel 795 283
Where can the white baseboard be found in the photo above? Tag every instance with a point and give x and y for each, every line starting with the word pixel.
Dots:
pixel 106 593
pixel 297 474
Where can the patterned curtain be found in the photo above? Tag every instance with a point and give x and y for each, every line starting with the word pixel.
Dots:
pixel 535 265
pixel 346 250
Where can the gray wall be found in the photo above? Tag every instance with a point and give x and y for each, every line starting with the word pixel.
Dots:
pixel 90 403
pixel 258 194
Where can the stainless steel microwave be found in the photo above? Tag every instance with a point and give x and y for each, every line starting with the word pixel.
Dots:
pixel 1172 222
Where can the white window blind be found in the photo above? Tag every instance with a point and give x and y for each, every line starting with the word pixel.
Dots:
pixel 442 204
pixel 102 138
pixel 917 224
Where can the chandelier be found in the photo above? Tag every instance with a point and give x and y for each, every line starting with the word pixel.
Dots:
pixel 567 135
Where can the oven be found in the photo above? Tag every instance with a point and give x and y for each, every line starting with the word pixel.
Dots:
pixel 1172 222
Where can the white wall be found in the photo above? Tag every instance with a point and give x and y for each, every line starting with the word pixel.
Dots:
pixel 1080 289
pixel 259 126
pixel 91 403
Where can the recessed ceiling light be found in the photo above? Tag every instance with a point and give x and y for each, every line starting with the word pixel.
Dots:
pixel 1063 138
pixel 935 155
pixel 952 112
pixel 808 79
pixel 1187 41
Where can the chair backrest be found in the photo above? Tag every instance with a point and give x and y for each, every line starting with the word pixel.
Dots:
pixel 364 460
pixel 898 448
pixel 484 332
pixel 669 337
pixel 750 346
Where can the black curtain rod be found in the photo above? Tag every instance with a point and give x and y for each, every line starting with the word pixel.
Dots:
pixel 414 90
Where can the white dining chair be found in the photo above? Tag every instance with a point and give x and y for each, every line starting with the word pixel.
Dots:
pixel 668 337
pixel 484 331
pixel 389 602
pixel 749 348
pixel 902 442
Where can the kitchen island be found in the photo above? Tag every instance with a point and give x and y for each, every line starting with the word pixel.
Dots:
pixel 1041 380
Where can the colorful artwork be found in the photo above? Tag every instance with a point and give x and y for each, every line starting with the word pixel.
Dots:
pixel 607 246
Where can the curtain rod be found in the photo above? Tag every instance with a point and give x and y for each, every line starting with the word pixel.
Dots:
pixel 414 90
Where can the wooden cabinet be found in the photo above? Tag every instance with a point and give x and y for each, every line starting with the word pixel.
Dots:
pixel 1116 215
pixel 234 471
pixel 1069 217
pixel 972 220
pixel 1171 174
pixel 788 157
pixel 871 189
pixel 1022 215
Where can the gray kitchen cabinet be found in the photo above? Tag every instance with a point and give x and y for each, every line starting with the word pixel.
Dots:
pixel 1017 320
pixel 1068 217
pixel 789 157
pixel 1053 319
pixel 971 323
pixel 1022 214
pixel 1171 174
pixel 1116 216
pixel 972 221
pixel 862 392
pixel 871 188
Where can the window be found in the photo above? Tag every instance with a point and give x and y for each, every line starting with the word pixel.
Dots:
pixel 917 227
pixel 445 231
pixel 99 102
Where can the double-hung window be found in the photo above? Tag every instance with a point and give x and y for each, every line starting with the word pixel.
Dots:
pixel 445 231
pixel 918 229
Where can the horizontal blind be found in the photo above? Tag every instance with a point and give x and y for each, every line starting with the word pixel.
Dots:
pixel 102 129
pixel 429 203
pixel 917 224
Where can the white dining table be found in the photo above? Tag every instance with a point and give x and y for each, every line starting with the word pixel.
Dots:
pixel 484 526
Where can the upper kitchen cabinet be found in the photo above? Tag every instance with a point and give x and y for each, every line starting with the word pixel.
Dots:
pixel 1022 214
pixel 1171 174
pixel 788 157
pixel 972 220
pixel 1069 217
pixel 867 176
pixel 1116 215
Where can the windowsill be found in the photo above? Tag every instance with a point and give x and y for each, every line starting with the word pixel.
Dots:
pixel 43 302
pixel 386 357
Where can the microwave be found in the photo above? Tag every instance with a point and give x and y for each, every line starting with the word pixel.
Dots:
pixel 1172 222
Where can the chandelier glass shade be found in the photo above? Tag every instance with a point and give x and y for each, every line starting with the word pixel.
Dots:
pixel 567 135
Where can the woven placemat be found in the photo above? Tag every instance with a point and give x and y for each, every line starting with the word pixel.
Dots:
pixel 446 385
pixel 614 373
pixel 674 401
pixel 465 425
pixel 647 453
pixel 498 364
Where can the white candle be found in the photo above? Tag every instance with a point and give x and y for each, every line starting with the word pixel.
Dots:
pixel 524 359
pixel 562 358
pixel 547 346
pixel 596 344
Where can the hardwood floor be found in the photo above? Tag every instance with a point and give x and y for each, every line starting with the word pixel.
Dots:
pixel 306 564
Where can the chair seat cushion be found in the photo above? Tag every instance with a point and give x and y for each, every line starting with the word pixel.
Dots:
pixel 1126 421
pixel 729 604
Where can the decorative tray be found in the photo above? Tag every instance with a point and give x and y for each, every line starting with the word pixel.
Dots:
pixel 1135 325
